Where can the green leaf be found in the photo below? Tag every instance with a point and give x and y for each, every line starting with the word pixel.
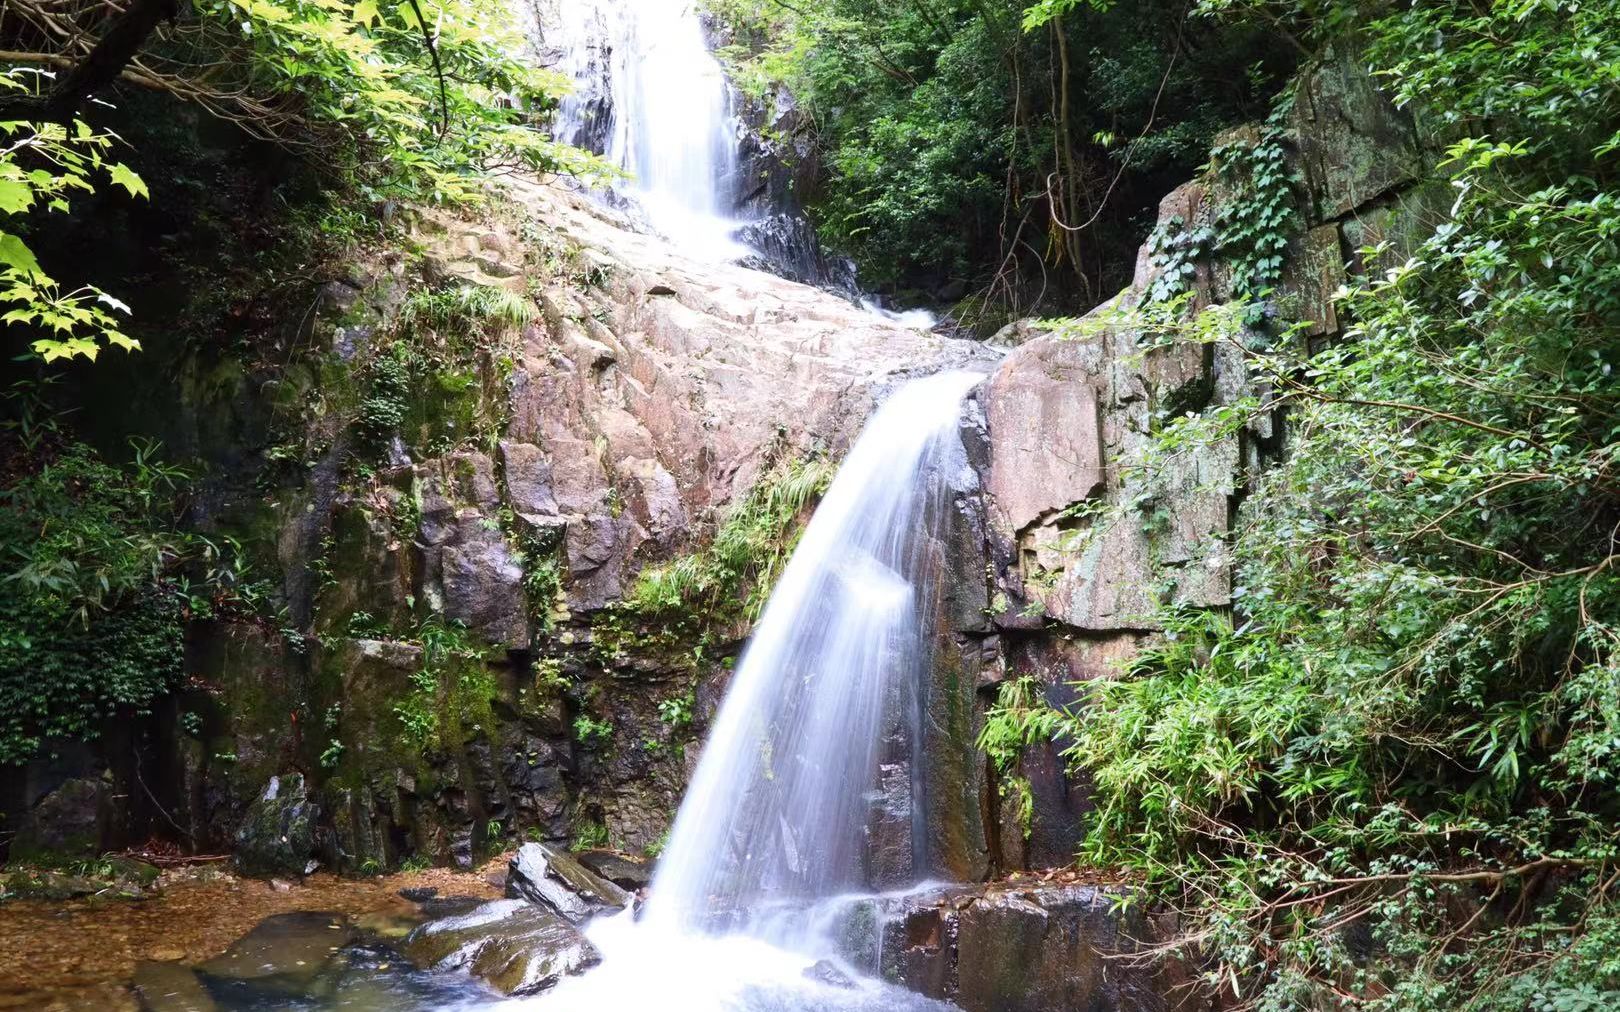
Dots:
pixel 15 196
pixel 121 340
pixel 15 253
pixel 124 176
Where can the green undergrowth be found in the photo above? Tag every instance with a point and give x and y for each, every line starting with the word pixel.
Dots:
pixel 1386 777
pixel 451 692
pixel 439 377
pixel 370 106
pixel 708 598
pixel 97 580
pixel 1013 149
pixel 1255 190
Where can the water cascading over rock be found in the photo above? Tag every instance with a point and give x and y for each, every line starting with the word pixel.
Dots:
pixel 652 99
pixel 778 817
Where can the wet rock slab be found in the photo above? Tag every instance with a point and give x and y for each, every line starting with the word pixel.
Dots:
pixel 517 947
pixel 170 987
pixel 282 960
pixel 625 872
pixel 294 944
pixel 1048 947
pixel 554 880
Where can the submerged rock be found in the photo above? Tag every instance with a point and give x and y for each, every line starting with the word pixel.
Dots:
pixel 825 971
pixel 296 943
pixel 449 906
pixel 554 880
pixel 283 955
pixel 170 987
pixel 517 947
pixel 277 836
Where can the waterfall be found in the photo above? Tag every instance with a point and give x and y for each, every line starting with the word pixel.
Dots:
pixel 777 807
pixel 780 809
pixel 651 98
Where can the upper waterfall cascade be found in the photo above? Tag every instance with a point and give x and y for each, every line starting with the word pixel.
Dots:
pixel 651 97
pixel 777 823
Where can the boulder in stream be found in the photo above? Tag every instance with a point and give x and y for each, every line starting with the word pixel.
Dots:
pixel 517 947
pixel 282 955
pixel 626 872
pixel 170 987
pixel 556 881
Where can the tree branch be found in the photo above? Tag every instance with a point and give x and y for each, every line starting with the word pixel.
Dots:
pixel 438 68
pixel 105 63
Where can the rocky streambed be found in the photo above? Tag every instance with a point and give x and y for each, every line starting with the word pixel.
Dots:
pixel 205 940
pixel 86 952
pixel 202 939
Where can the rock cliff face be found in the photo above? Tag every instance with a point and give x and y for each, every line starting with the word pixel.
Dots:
pixel 460 666
pixel 1086 543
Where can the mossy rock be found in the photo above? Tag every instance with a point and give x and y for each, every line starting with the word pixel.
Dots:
pixel 277 836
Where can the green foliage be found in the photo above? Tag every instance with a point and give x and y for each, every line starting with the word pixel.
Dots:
pixel 1175 250
pixel 1018 720
pixel 61 680
pixel 415 862
pixel 1257 208
pixel 466 307
pixel 364 75
pixel 1386 781
pixel 410 101
pixel 449 702
pixel 741 563
pixel 1013 151
pixel 535 549
pixel 687 605
pixel 383 409
pixel 590 835
pixel 676 711
pixel 542 582
pixel 437 382
pixel 94 589
pixel 588 730
pixel 41 166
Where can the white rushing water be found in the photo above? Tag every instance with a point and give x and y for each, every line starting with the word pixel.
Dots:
pixel 653 99
pixel 776 821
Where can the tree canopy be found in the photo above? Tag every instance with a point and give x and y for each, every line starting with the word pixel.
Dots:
pixel 418 100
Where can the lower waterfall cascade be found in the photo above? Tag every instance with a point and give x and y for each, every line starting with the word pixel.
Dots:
pixel 767 846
